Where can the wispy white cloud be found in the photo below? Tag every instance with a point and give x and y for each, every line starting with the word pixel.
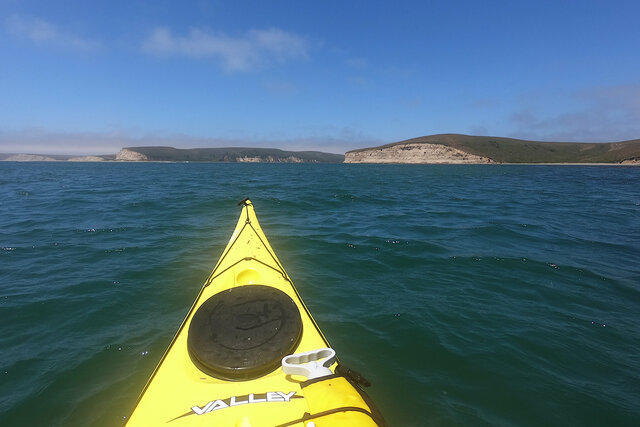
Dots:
pixel 254 49
pixel 607 113
pixel 42 32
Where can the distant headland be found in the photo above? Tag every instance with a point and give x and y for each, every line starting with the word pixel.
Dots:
pixel 432 149
pixel 467 149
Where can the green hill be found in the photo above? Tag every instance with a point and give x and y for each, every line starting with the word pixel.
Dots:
pixel 508 150
pixel 232 154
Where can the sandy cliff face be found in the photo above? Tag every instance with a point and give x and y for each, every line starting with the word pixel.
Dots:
pixel 634 162
pixel 130 156
pixel 414 153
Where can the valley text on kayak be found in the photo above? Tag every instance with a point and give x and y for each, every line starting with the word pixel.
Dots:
pixel 214 405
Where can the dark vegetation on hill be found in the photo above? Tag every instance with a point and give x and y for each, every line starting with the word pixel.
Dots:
pixel 233 154
pixel 508 150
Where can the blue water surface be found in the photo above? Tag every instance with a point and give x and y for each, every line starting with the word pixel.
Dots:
pixel 468 295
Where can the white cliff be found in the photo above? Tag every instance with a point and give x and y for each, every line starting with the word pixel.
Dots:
pixel 130 156
pixel 414 153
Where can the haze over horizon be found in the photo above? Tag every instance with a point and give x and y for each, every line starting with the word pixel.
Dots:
pixel 91 78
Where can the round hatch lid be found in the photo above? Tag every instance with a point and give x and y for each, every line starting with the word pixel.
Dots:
pixel 244 332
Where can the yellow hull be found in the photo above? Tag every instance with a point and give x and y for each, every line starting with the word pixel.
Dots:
pixel 201 381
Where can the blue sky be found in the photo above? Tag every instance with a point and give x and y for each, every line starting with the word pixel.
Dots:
pixel 93 76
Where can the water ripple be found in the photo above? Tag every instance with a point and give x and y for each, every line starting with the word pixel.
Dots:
pixel 473 294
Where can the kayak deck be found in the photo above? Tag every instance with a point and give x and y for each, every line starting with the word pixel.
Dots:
pixel 223 366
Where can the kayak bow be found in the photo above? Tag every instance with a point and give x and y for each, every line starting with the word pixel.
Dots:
pixel 249 353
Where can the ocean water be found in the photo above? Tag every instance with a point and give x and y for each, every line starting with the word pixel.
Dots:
pixel 467 295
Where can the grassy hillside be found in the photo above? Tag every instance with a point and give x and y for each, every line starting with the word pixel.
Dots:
pixel 232 154
pixel 508 150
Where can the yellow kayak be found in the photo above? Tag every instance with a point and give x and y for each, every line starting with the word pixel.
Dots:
pixel 249 353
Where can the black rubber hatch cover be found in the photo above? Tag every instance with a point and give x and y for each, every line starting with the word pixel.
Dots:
pixel 244 332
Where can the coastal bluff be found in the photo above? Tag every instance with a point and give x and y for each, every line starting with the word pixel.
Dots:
pixel 468 149
pixel 129 155
pixel 415 153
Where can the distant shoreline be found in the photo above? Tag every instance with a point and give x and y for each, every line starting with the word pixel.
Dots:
pixel 433 149
pixel 636 164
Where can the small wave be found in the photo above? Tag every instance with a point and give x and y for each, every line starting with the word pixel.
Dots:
pixel 102 230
